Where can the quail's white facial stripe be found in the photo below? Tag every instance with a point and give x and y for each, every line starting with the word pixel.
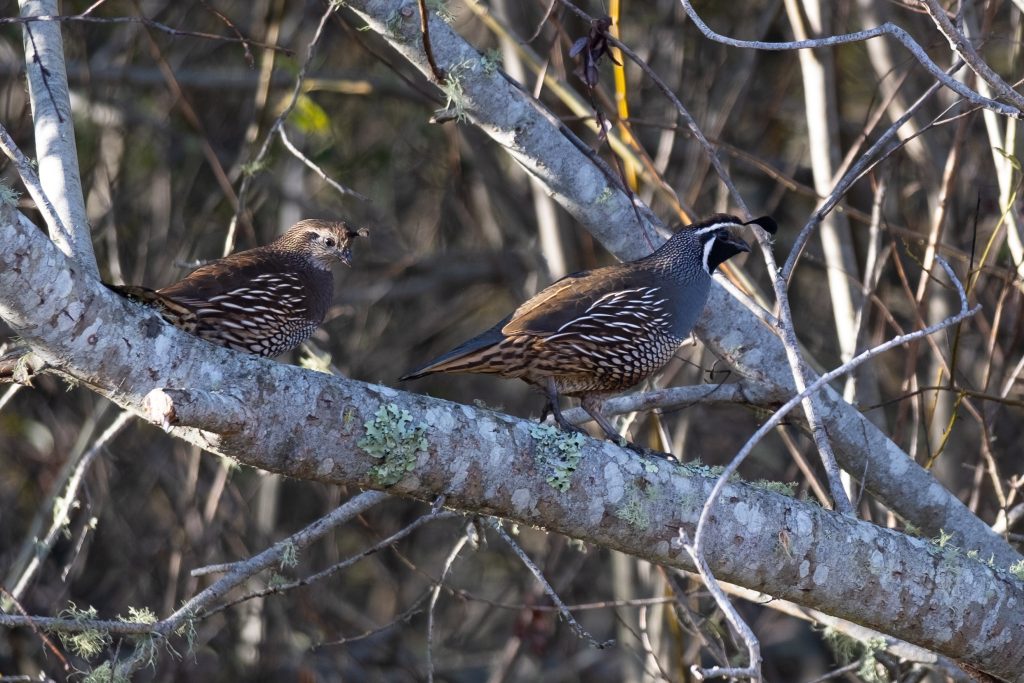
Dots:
pixel 708 246
pixel 716 226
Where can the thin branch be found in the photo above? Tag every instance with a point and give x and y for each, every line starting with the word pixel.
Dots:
pixel 696 551
pixel 548 589
pixel 342 190
pixel 244 570
pixel 64 503
pixel 963 47
pixel 56 624
pixel 677 398
pixel 775 420
pixel 868 160
pixel 149 23
pixel 753 671
pixel 434 595
pixel 30 179
pixel 433 516
pixel 888 28
pixel 407 614
pixel 860 359
pixel 439 74
pixel 257 161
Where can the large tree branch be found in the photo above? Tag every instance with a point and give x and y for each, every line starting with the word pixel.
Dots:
pixel 518 123
pixel 314 426
pixel 56 151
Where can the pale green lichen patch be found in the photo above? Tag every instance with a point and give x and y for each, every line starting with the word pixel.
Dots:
pixel 783 488
pixel 942 546
pixel 491 61
pixel 634 512
pixel 8 196
pixel 105 673
pixel 558 453
pixel 392 439
pixel 848 649
pixel 87 643
pixel 455 94
pixel 1017 570
pixel 139 615
pixel 698 468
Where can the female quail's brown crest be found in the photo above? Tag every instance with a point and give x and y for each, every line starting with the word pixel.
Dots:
pixel 266 300
pixel 602 331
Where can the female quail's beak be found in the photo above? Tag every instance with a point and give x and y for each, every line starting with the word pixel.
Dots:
pixel 345 253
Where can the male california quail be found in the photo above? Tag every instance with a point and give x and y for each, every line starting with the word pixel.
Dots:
pixel 597 332
pixel 266 300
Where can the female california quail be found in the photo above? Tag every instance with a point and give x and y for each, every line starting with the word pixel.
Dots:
pixel 602 331
pixel 266 300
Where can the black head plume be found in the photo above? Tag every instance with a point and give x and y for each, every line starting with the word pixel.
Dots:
pixel 766 223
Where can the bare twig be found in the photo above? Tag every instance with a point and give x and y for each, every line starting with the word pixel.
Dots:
pixel 868 160
pixel 64 503
pixel 456 549
pixel 887 28
pixel 535 570
pixel 965 312
pixel 433 516
pixel 678 398
pixel 254 164
pixel 149 23
pixel 695 550
pixel 439 74
pixel 963 47
pixel 342 190
pixel 243 570
pixel 35 189
pixel 753 671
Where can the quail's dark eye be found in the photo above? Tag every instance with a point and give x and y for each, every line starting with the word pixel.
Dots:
pixel 329 241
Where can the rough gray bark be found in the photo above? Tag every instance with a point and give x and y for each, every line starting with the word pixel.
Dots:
pixel 56 152
pixel 514 120
pixel 313 426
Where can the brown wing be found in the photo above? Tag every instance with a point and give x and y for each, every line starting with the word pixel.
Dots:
pixel 566 300
pixel 222 275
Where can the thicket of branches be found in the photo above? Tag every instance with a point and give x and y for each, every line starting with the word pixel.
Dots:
pixel 475 159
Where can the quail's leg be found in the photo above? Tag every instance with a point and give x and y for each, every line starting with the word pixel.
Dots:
pixel 552 395
pixel 592 403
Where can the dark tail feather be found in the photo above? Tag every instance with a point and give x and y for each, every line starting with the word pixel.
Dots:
pixel 179 315
pixel 134 292
pixel 449 361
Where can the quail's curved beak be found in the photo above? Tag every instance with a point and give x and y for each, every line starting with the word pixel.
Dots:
pixel 734 242
pixel 345 256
